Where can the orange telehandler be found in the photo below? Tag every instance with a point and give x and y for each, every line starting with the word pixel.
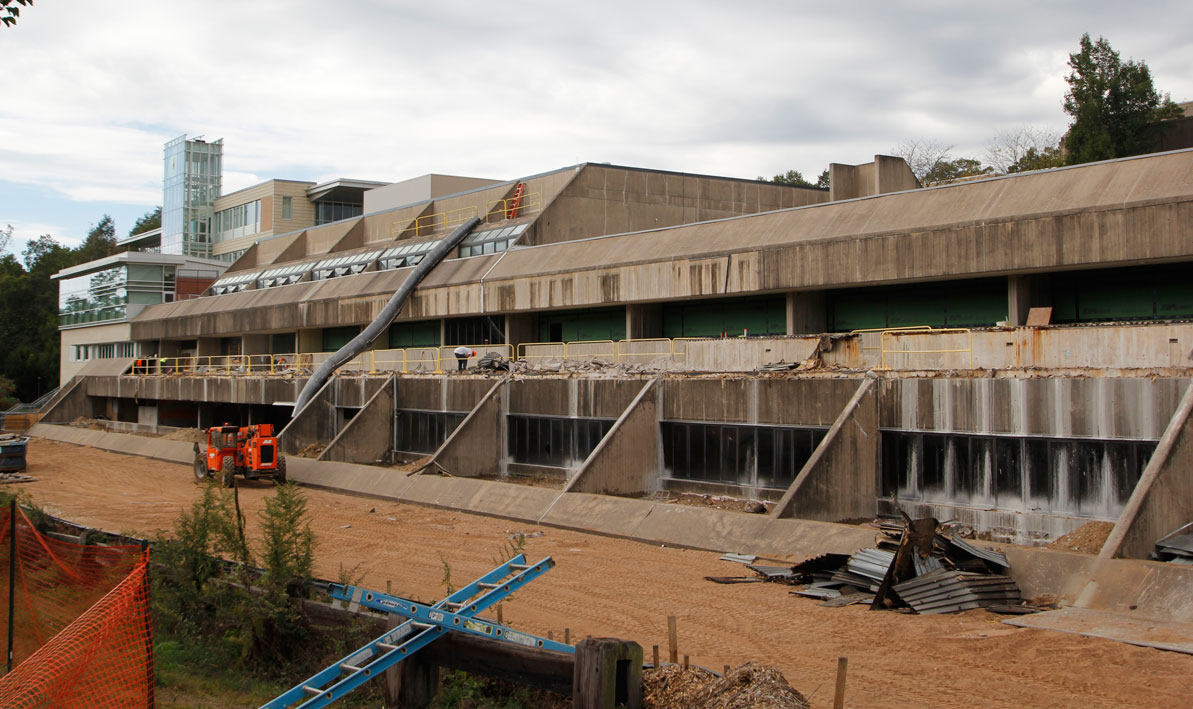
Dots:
pixel 251 451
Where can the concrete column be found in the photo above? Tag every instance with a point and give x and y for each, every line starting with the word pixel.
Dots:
pixel 208 347
pixel 1019 299
pixel 840 479
pixel 255 343
pixel 310 340
pixel 807 313
pixel 520 328
pixel 643 321
pixel 626 461
pixel 366 438
pixel 1163 498
pixel 476 446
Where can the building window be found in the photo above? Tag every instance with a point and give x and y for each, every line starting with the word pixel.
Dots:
pixel 328 212
pixel 554 441
pixel 287 207
pixel 238 221
pixel 106 294
pixel 755 456
pixel 1077 477
pixel 425 431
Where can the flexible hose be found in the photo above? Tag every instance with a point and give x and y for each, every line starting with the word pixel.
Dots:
pixel 370 334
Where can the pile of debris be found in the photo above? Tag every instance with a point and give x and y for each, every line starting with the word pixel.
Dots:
pixel 916 566
pixel 595 365
pixel 1176 547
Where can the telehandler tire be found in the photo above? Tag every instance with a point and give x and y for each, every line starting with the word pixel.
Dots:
pixel 280 476
pixel 228 471
pixel 201 473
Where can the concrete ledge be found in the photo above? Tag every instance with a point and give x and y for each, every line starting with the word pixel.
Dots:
pixel 156 448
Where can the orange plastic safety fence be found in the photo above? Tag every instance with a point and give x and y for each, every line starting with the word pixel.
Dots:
pixel 82 625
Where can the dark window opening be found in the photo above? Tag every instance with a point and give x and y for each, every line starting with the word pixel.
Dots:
pixel 754 456
pixel 1079 477
pixel 554 441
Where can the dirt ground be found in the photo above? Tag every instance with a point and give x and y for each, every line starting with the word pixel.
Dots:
pixel 619 588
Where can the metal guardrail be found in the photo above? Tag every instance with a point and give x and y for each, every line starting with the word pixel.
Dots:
pixel 495 211
pixel 943 331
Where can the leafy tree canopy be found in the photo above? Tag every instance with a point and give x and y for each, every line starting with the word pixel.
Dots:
pixel 1113 105
pixel 795 177
pixel 149 222
pixel 9 11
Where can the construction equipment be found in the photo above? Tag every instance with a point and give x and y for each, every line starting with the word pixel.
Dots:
pixel 250 451
pixel 425 624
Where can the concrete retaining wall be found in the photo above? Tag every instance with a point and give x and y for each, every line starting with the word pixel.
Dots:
pixel 744 355
pixel 790 402
pixel 838 480
pixel 316 423
pixel 476 446
pixel 370 433
pixel 1137 408
pixel 628 459
pixel 1162 501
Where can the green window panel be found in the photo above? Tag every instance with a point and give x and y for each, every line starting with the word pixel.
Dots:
pixel 1139 293
pixel 582 325
pixel 424 333
pixel 952 304
pixel 336 337
pixel 710 318
pixel 282 343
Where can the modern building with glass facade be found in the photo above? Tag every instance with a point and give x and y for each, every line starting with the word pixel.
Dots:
pixel 97 300
pixel 190 186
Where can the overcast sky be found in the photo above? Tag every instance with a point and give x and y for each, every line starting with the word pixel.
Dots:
pixel 388 90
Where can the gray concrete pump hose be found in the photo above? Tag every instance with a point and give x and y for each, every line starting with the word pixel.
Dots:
pixel 374 330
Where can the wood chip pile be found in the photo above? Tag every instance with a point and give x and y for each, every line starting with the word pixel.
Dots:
pixel 750 685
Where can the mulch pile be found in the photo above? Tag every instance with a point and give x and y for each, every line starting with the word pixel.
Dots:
pixel 750 685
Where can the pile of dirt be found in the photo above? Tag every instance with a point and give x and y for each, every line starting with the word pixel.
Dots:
pixel 190 435
pixel 720 502
pixel 750 685
pixel 1089 538
pixel 312 451
pixel 84 422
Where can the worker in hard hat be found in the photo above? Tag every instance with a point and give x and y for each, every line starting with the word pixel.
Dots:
pixel 462 354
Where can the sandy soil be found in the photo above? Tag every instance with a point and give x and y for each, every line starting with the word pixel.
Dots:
pixel 611 587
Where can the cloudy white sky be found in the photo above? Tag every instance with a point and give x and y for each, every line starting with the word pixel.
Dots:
pixel 390 89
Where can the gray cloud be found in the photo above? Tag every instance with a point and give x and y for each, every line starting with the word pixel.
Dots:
pixel 390 90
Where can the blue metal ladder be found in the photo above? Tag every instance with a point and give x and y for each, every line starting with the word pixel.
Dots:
pixel 424 625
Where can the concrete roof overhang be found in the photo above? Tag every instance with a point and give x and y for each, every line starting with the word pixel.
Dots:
pixel 1135 210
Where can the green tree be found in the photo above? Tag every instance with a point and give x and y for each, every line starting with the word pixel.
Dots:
pixel 100 241
pixel 7 400
pixel 823 181
pixel 945 170
pixel 1113 105
pixel 9 12
pixel 151 220
pixel 791 177
pixel 1042 159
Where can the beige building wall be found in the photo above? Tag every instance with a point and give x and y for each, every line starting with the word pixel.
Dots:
pixel 270 193
pixel 92 335
pixel 420 189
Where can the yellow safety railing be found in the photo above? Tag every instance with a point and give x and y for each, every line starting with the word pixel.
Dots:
pixel 441 221
pixel 556 350
pixel 528 203
pixel 880 330
pixel 666 348
pixel 447 353
pixel 944 331
pixel 589 349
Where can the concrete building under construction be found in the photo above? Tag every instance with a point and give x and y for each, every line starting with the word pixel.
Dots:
pixel 1011 352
